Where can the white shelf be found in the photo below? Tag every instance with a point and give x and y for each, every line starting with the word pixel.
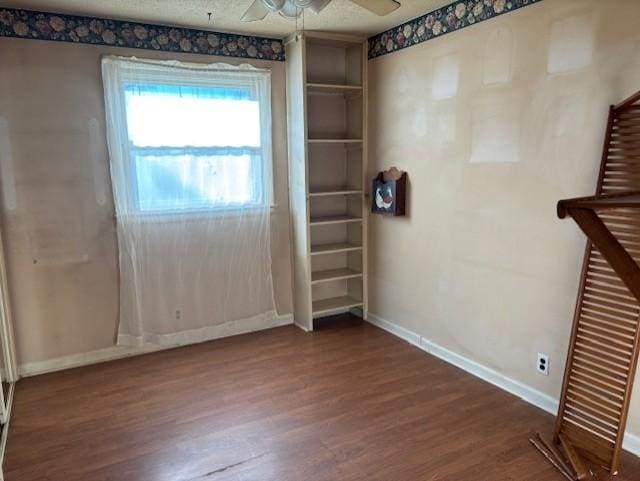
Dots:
pixel 334 275
pixel 334 248
pixel 316 87
pixel 337 219
pixel 327 306
pixel 335 191
pixel 334 141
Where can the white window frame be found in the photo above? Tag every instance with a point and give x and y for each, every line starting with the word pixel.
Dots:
pixel 178 74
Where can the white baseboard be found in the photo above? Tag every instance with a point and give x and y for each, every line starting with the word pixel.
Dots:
pixel 631 443
pixel 118 352
pixel 399 331
pixel 527 393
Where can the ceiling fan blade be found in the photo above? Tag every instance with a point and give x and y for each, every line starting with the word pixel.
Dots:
pixel 379 7
pixel 318 5
pixel 257 11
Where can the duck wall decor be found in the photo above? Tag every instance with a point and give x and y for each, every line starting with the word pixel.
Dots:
pixel 389 192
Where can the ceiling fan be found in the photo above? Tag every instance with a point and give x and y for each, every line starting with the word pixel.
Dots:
pixel 259 9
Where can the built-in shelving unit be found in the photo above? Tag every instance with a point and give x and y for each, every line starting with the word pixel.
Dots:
pixel 326 103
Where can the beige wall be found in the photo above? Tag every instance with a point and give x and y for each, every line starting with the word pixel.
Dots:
pixel 60 240
pixel 494 125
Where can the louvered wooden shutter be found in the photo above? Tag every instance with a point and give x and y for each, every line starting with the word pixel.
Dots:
pixel 604 342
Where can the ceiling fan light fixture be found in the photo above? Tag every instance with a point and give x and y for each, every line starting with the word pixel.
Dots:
pixel 290 10
pixel 293 9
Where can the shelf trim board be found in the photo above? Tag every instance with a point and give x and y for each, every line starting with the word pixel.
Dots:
pixel 338 89
pixel 334 85
pixel 334 39
pixel 334 248
pixel 333 304
pixel 327 193
pixel 333 220
pixel 331 275
pixel 334 141
pixel 297 127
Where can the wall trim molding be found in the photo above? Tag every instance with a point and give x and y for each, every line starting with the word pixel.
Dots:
pixel 119 352
pixel 450 18
pixel 39 25
pixel 36 25
pixel 527 393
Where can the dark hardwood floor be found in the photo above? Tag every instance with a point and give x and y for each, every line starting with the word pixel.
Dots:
pixel 348 402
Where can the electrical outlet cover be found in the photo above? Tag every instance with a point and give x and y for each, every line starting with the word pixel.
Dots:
pixel 543 364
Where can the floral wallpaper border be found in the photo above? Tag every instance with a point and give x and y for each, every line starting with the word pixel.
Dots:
pixel 447 19
pixel 36 25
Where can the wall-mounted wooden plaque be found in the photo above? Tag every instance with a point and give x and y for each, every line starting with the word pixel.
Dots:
pixel 389 192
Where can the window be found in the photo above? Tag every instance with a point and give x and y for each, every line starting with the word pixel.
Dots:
pixel 195 139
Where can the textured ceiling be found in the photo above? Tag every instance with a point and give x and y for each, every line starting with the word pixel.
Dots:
pixel 339 16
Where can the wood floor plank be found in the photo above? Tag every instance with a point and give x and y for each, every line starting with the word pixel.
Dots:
pixel 348 402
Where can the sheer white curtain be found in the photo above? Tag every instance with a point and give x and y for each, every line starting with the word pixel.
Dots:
pixel 190 153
